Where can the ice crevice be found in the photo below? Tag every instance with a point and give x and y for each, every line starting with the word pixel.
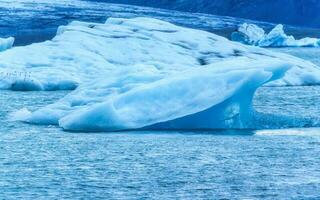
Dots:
pixel 144 73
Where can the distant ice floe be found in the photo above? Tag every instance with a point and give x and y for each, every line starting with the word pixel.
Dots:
pixel 6 43
pixel 146 73
pixel 251 34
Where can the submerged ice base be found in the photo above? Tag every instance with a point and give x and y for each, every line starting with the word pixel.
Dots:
pixel 145 73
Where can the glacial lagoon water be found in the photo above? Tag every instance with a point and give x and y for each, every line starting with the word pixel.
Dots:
pixel 45 162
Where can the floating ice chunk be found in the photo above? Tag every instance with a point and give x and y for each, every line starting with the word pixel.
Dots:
pixel 45 116
pixel 6 43
pixel 253 35
pixel 217 96
pixel 278 38
pixel 147 73
pixel 19 115
pixel 248 34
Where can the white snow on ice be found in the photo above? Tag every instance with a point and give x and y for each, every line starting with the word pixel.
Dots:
pixel 146 73
pixel 252 34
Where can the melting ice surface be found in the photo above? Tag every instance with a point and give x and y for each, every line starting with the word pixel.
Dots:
pixel 252 34
pixel 147 73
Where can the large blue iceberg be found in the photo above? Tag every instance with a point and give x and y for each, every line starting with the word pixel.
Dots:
pixel 144 73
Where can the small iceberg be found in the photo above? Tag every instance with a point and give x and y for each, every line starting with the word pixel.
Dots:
pixel 144 73
pixel 251 34
pixel 6 43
